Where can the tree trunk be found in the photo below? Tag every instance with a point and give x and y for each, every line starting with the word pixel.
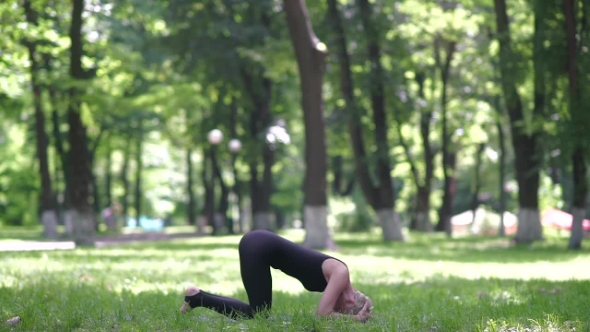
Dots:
pixel 477 179
pixel 63 203
pixel 281 219
pixel 450 187
pixel 580 194
pixel 95 193
pixel 111 217
pixel 108 174
pixel 423 223
pixel 423 208
pixel 60 151
pixel 262 217
pixel 580 121
pixel 502 162
pixel 421 219
pixel 220 216
pixel 337 173
pixel 139 168
pixel 362 170
pixel 388 218
pixel 311 59
pixel 125 180
pixel 380 196
pixel 343 184
pixel 238 195
pixel 47 208
pixel 259 92
pixel 525 145
pixel 208 210
pixel 236 187
pixel 81 216
pixel 190 205
pixel 448 155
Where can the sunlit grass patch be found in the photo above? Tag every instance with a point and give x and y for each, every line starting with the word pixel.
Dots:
pixel 426 284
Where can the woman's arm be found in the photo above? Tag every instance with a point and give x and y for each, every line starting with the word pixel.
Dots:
pixel 336 285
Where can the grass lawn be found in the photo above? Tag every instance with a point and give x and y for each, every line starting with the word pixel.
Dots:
pixel 426 284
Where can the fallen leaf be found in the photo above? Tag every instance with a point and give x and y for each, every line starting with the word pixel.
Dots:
pixel 14 320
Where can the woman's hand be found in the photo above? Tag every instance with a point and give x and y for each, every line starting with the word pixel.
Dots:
pixel 365 313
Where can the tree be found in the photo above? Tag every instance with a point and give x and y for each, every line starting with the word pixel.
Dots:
pixel 475 200
pixel 80 217
pixel 421 222
pixel 502 164
pixel 580 121
pixel 47 200
pixel 381 197
pixel 311 58
pixel 138 192
pixel 449 155
pixel 525 142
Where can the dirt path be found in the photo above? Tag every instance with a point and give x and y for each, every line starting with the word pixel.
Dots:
pixel 98 242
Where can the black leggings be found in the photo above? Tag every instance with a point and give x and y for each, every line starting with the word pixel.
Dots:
pixel 255 271
pixel 259 251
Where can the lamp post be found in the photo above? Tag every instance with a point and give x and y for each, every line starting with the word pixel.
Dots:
pixel 215 137
pixel 234 147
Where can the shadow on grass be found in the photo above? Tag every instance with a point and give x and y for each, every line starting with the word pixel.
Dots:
pixel 421 247
pixel 467 250
pixel 193 245
pixel 52 303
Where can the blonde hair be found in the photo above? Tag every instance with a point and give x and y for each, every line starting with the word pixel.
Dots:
pixel 359 302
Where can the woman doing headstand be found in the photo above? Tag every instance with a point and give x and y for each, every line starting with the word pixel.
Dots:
pixel 259 251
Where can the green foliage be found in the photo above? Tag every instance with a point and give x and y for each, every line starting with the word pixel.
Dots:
pixel 179 65
pixel 550 194
pixel 352 215
pixel 18 182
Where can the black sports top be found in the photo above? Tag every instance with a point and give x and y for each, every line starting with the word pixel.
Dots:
pixel 294 260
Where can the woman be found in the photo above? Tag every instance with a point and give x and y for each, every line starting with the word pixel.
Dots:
pixel 259 251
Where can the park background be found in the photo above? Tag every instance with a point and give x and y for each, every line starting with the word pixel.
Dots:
pixel 440 146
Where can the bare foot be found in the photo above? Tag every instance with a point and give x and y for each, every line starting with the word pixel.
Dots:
pixel 190 291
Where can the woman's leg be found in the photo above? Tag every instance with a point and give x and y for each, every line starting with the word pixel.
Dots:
pixel 254 249
pixel 255 271
pixel 224 305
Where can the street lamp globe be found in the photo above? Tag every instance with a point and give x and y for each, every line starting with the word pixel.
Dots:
pixel 234 145
pixel 215 136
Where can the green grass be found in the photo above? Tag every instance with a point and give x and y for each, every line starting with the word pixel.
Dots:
pixel 427 284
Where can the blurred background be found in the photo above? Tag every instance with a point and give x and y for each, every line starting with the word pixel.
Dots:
pixel 221 116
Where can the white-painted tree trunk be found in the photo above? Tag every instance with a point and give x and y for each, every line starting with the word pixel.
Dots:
pixel 501 228
pixel 219 220
pixel 423 223
pixel 80 226
pixel 242 220
pixel 317 232
pixel 577 233
pixel 262 221
pixel 69 222
pixel 391 225
pixel 529 226
pixel 49 221
pixel 201 225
